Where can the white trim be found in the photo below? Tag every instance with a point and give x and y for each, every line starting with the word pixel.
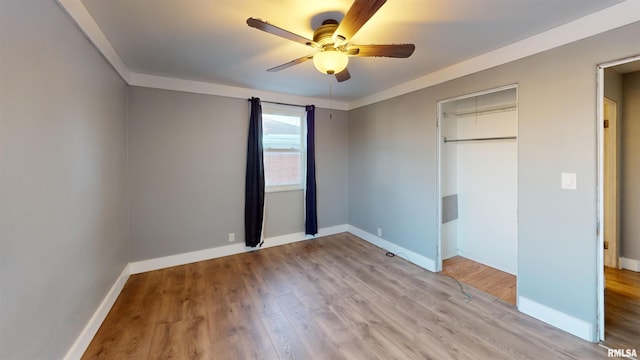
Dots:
pixel 212 253
pixel 607 19
pixel 79 13
pixel 201 87
pixel 482 92
pixel 630 264
pixel 488 262
pixel 448 255
pixel 420 260
pixel 84 339
pixel 553 317
pixel 600 282
pixel 141 266
pixel 562 321
pixel 618 62
pixel 291 111
pixel 284 188
pixel 440 256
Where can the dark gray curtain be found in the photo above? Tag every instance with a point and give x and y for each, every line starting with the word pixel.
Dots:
pixel 311 212
pixel 254 189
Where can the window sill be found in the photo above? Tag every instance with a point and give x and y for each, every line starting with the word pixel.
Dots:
pixel 283 188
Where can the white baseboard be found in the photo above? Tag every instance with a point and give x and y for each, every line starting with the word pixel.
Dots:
pixel 562 321
pixel 290 238
pixel 82 342
pixel 630 264
pixel 449 254
pixel 488 262
pixel 212 253
pixel 138 267
pixel 551 316
pixel 420 260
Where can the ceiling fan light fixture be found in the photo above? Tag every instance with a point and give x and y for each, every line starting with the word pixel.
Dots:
pixel 330 61
pixel 331 40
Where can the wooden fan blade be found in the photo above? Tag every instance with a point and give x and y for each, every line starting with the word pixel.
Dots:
pixel 393 51
pixel 291 63
pixel 343 75
pixel 272 29
pixel 359 13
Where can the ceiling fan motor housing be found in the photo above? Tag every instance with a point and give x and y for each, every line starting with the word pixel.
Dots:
pixel 329 60
pixel 324 33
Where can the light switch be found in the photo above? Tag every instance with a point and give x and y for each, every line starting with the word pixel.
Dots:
pixel 568 181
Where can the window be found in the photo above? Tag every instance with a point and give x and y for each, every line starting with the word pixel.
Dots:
pixel 283 129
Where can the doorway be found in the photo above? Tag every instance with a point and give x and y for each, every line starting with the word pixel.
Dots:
pixel 618 203
pixel 477 185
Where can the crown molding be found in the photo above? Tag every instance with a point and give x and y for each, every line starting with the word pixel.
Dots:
pixel 86 23
pixel 79 13
pixel 607 19
pixel 200 87
pixel 610 18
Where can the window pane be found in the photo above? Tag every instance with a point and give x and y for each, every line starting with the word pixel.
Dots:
pixel 280 132
pixel 281 168
pixel 282 144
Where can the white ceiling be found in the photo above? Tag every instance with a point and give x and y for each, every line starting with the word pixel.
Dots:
pixel 209 40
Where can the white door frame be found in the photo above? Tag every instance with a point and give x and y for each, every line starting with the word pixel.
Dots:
pixel 439 142
pixel 600 186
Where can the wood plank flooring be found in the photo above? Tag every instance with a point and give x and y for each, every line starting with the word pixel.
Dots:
pixel 336 297
pixel 622 309
pixel 482 277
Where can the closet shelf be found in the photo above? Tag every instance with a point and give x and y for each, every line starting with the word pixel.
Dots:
pixel 481 139
pixel 484 111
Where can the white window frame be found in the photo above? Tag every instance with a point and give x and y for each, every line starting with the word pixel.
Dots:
pixel 290 110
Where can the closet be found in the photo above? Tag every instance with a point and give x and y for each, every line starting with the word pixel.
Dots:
pixel 478 178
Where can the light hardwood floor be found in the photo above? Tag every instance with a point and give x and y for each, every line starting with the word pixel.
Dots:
pixel 622 309
pixel 336 297
pixel 482 277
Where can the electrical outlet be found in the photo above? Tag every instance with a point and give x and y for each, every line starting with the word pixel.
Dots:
pixel 232 237
pixel 379 232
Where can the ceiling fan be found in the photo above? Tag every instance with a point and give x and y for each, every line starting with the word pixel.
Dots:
pixel 331 40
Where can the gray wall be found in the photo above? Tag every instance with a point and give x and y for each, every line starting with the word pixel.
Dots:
pixel 630 238
pixel 613 85
pixel 187 155
pixel 62 180
pixel 63 173
pixel 392 167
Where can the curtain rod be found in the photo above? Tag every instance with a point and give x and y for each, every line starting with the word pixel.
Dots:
pixel 279 103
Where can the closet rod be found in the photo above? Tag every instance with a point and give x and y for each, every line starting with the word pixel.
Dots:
pixel 481 139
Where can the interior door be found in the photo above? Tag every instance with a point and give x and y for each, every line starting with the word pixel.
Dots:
pixel 610 184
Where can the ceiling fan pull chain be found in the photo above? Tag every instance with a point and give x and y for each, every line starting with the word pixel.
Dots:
pixel 330 98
